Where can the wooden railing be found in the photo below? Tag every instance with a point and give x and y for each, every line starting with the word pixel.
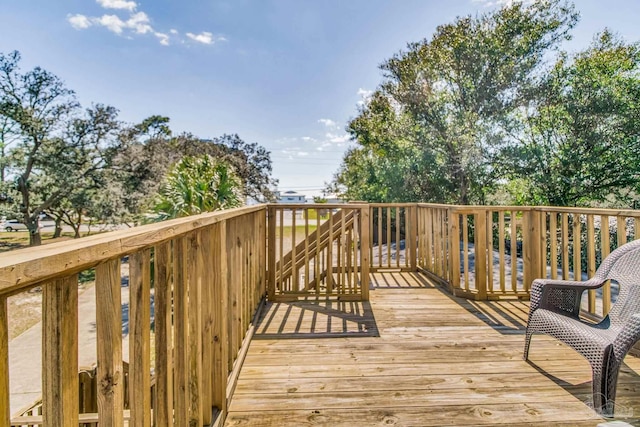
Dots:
pixel 493 252
pixel 393 236
pixel 207 277
pixel 318 251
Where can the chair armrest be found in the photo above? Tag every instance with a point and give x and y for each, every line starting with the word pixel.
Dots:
pixel 562 296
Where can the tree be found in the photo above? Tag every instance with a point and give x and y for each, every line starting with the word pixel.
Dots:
pixel 144 162
pixel 580 144
pixel 196 185
pixel 36 104
pixel 458 90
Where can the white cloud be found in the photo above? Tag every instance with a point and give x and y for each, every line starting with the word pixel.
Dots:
pixel 364 95
pixel 79 22
pixel 307 139
pixel 111 22
pixel 135 22
pixel 337 139
pixel 364 92
pixel 118 4
pixel 501 3
pixel 328 123
pixel 204 37
pixel 294 152
pixel 164 38
pixel 331 125
pixel 139 22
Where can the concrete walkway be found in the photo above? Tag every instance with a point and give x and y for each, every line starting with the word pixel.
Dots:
pixel 25 351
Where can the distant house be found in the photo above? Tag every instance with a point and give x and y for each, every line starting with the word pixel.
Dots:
pixel 291 197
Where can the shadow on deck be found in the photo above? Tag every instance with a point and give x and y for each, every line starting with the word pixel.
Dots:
pixel 414 355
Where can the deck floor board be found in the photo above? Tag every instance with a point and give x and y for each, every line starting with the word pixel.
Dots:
pixel 414 356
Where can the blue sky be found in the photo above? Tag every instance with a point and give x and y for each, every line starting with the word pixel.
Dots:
pixel 287 74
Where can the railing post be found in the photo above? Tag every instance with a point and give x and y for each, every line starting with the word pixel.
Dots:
pixel 454 240
pixel 5 411
pixel 365 242
pixel 60 399
pixel 532 247
pixel 271 262
pixel 480 248
pixel 412 237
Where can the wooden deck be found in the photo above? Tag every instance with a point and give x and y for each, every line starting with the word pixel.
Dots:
pixel 415 356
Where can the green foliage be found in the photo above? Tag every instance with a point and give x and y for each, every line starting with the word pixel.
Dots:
pixel 432 130
pixel 34 106
pixel 319 199
pixel 82 166
pixel 580 145
pixel 196 185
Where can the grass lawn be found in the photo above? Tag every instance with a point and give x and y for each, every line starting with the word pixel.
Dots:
pixel 20 239
pixel 287 231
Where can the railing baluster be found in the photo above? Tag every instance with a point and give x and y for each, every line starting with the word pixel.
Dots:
pixel 181 329
pixel 398 225
pixel 163 406
pixel 194 373
pixel 621 224
pixel 220 319
pixel 465 249
pixel 553 244
pixel 318 254
pixel 109 343
pixel 342 243
pixel 60 389
pixel 591 261
pixel 388 209
pixel 139 335
pixel 604 252
pixel 294 258
pixel 329 283
pixel 205 257
pixel 514 250
pixel 280 285
pixel 565 246
pixel 489 241
pixel 577 261
pixel 501 248
pixel 379 236
pixel 306 249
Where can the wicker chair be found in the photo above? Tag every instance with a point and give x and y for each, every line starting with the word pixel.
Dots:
pixel 555 310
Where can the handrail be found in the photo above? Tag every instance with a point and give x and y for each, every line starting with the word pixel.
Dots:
pixel 24 268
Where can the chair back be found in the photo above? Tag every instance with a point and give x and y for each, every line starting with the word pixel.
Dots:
pixel 623 266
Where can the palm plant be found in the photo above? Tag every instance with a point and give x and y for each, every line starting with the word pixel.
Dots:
pixel 195 185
